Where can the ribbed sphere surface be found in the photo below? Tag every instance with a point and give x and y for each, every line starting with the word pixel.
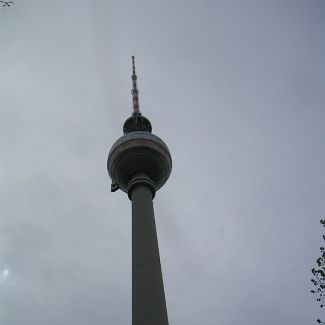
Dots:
pixel 139 152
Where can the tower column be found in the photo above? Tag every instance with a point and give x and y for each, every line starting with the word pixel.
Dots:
pixel 148 296
pixel 139 163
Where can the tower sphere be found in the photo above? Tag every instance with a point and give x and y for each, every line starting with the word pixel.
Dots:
pixel 139 152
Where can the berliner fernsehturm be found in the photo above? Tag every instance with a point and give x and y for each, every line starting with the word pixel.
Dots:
pixel 139 163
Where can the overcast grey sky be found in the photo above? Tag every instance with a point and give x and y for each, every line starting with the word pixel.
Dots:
pixel 236 90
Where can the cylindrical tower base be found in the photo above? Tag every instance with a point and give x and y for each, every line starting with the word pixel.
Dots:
pixel 148 296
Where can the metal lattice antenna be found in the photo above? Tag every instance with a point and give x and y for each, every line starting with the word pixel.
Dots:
pixel 135 91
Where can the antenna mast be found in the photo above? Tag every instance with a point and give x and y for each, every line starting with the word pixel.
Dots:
pixel 135 91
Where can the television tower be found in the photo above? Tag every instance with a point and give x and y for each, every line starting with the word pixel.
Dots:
pixel 139 163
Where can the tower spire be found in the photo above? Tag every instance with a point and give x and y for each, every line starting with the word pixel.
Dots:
pixel 136 122
pixel 135 91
